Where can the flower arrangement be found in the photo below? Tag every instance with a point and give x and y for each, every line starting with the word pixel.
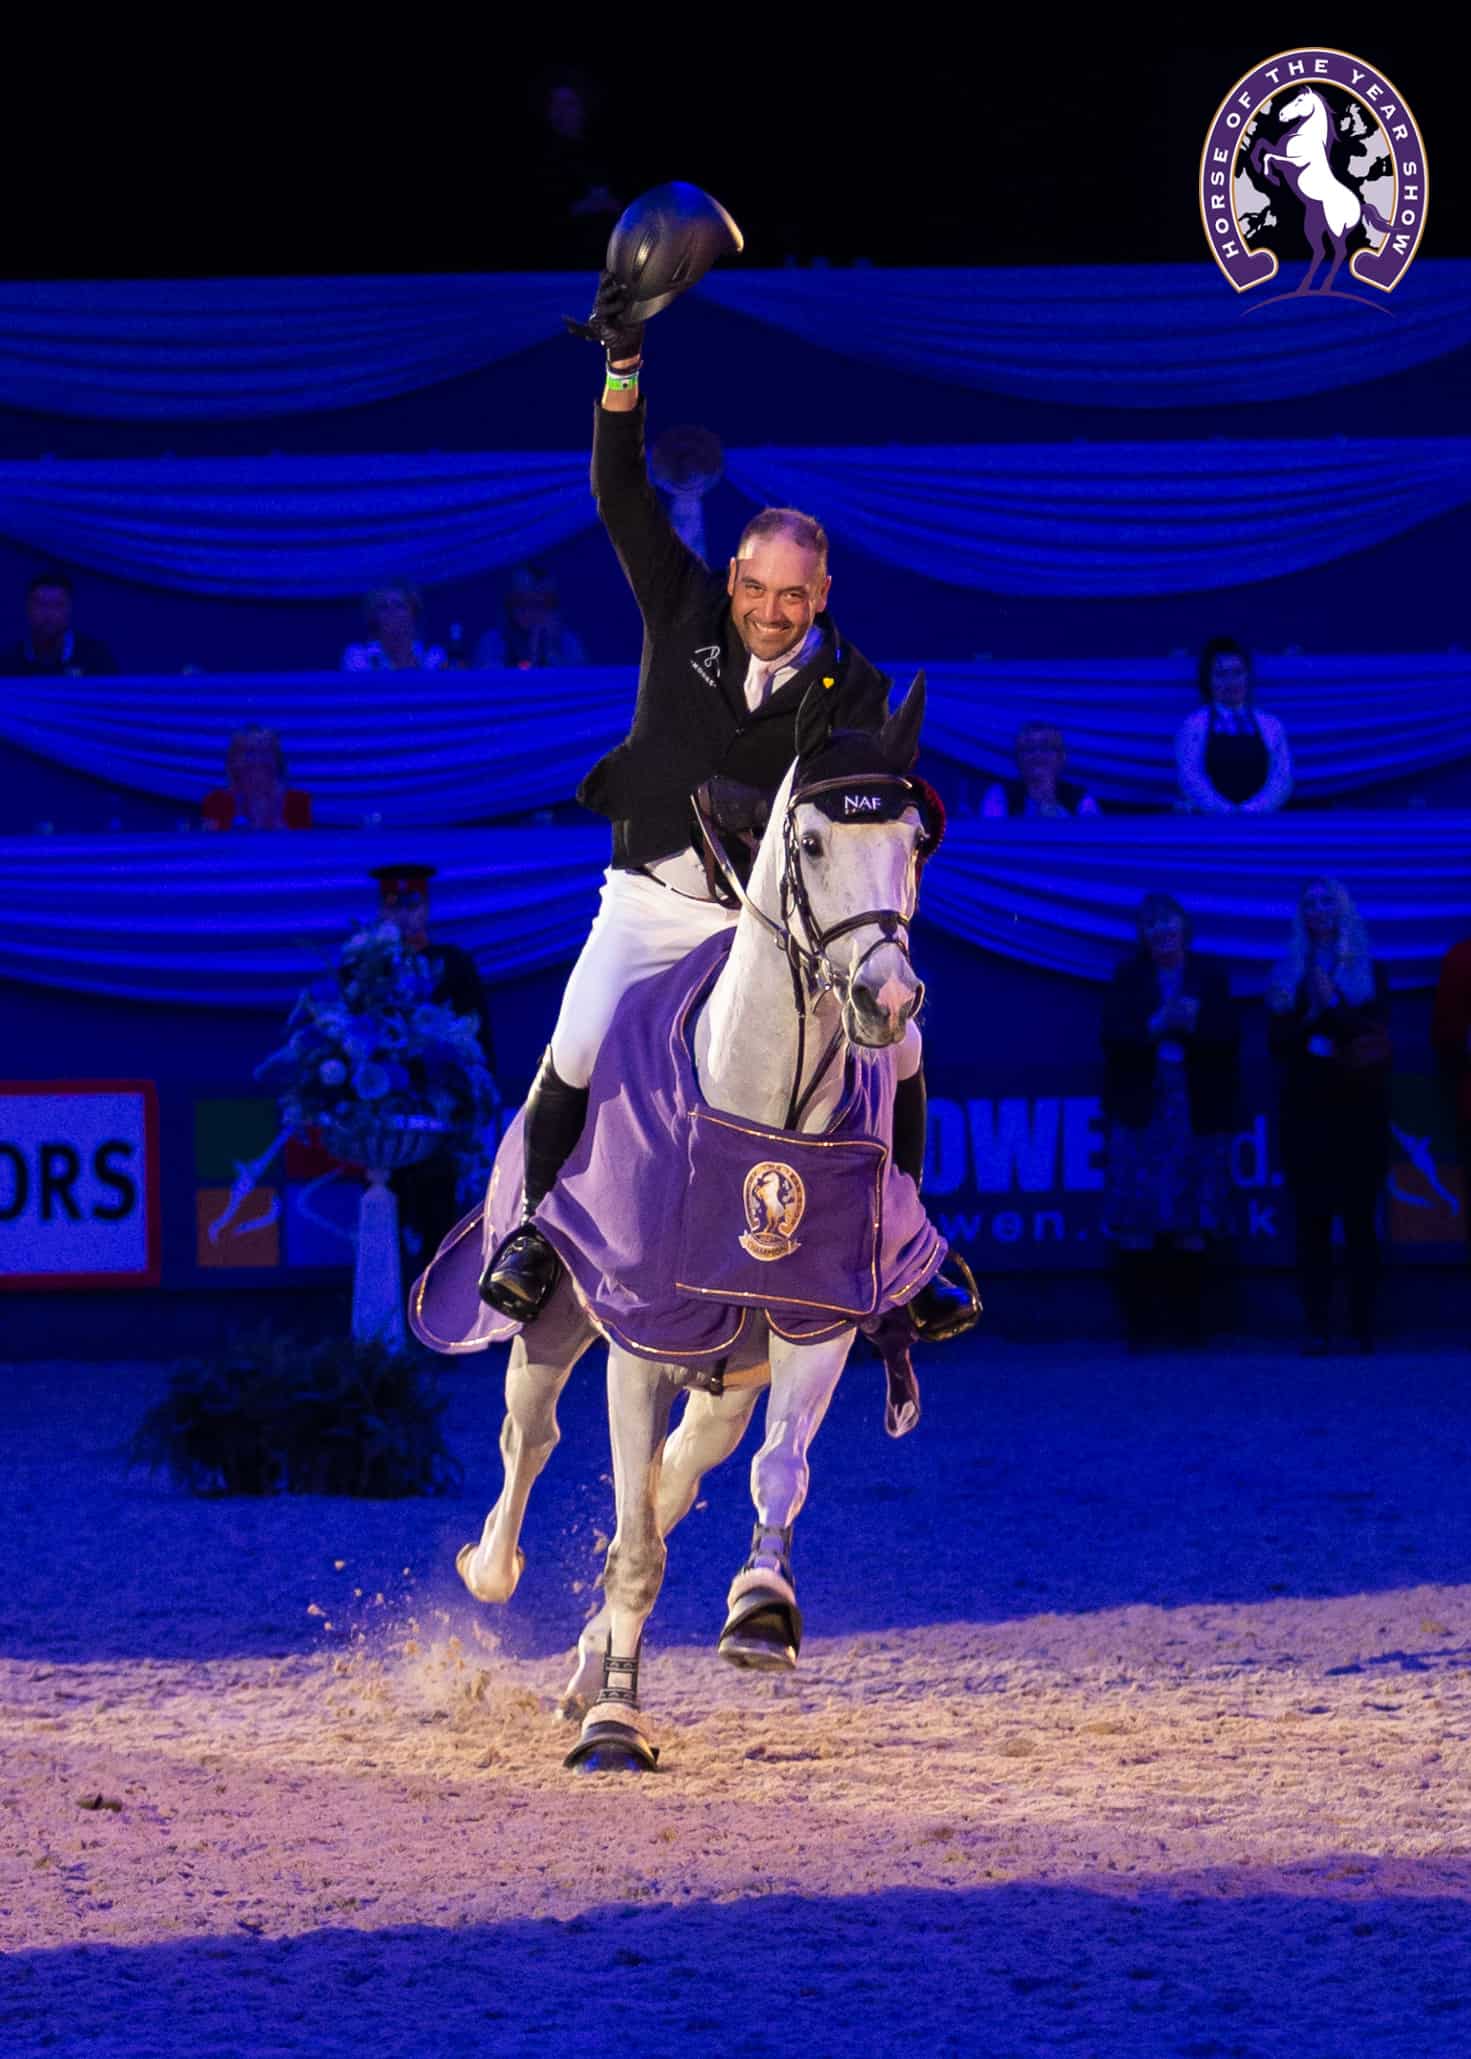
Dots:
pixel 380 1054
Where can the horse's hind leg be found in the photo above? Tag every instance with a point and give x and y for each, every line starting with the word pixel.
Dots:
pixel 1339 245
pixel 491 1568
pixel 763 1626
pixel 709 1430
pixel 1316 227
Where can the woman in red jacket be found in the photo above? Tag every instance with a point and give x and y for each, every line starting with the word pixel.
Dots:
pixel 257 796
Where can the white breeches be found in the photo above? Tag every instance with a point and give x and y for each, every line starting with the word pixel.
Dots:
pixel 640 928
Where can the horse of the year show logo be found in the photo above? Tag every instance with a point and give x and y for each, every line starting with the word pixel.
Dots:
pixel 1313 156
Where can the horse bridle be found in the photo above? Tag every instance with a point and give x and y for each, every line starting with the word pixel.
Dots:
pixel 812 970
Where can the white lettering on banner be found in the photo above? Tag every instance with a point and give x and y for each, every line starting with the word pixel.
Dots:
pixel 78 1183
pixel 1014 1144
pixel 1250 1166
pixel 1082 1144
pixel 1008 1226
pixel 1049 1143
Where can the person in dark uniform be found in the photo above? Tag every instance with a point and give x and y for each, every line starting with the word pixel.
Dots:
pixel 1171 1045
pixel 1231 757
pixel 51 648
pixel 427 1200
pixel 727 659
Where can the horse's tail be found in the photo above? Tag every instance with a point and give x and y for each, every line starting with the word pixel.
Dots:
pixel 1372 214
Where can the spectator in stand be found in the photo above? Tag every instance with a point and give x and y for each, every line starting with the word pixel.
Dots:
pixel 1171 1045
pixel 569 175
pixel 1041 789
pixel 427 1192
pixel 392 615
pixel 1231 757
pixel 257 796
pixel 533 632
pixel 1329 1029
pixel 51 648
pixel 1450 1033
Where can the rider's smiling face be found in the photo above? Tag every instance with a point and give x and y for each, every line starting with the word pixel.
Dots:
pixel 776 590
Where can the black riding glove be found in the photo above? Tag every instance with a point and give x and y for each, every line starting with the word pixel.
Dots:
pixel 608 322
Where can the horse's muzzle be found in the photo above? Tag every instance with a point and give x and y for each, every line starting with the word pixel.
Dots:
pixel 877 1016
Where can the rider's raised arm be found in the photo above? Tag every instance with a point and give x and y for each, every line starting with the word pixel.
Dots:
pixel 665 574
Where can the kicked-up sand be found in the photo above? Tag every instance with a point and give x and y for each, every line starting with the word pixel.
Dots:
pixel 1134 1717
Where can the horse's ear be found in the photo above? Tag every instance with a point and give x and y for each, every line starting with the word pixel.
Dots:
pixel 899 737
pixel 814 719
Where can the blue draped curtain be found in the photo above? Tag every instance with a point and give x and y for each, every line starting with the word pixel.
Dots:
pixel 1109 519
pixel 1124 336
pixel 178 350
pixel 480 744
pixel 1127 336
pixel 245 922
pixel 1102 519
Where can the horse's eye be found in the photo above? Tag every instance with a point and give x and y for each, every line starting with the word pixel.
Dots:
pixel 811 844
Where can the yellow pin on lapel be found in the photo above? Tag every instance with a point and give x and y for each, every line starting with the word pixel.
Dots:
pixel 829 682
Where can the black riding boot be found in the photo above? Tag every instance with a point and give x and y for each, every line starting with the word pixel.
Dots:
pixel 942 1308
pixel 524 1269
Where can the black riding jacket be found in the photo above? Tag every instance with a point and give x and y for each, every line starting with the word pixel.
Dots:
pixel 691 720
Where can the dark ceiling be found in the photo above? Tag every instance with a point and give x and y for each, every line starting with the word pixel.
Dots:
pixel 1052 148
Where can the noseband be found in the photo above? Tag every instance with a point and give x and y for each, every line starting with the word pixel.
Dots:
pixel 813 971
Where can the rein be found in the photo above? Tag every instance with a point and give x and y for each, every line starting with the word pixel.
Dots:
pixel 813 973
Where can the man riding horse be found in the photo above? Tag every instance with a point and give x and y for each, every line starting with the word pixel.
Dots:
pixel 727 663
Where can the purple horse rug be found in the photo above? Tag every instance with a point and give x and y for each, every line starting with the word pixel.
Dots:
pixel 676 1220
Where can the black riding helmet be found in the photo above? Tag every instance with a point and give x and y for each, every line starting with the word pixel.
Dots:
pixel 664 241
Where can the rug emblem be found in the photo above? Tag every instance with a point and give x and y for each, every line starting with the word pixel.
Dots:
pixel 775 1201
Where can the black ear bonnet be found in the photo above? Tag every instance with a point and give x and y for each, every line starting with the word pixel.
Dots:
pixel 850 778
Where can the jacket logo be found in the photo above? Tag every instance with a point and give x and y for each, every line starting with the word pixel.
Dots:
pixel 775 1201
pixel 706 662
pixel 862 804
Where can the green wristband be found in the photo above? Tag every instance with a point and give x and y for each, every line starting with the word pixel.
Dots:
pixel 622 382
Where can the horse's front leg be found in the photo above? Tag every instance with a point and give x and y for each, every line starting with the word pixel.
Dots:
pixel 1262 160
pixel 491 1568
pixel 763 1625
pixel 709 1430
pixel 640 1398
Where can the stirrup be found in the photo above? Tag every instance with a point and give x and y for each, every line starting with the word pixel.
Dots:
pixel 959 1302
pixel 521 1291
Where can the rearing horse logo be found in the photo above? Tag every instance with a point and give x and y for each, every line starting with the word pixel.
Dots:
pixel 1331 210
pixel 1314 155
pixel 775 1201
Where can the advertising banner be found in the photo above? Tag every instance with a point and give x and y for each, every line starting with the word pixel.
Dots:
pixel 1016 1180
pixel 79 1183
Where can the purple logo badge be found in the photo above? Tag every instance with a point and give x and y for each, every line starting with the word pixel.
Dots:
pixel 1313 158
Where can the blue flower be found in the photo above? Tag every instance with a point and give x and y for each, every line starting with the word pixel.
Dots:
pixel 332 1072
pixel 371 1082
